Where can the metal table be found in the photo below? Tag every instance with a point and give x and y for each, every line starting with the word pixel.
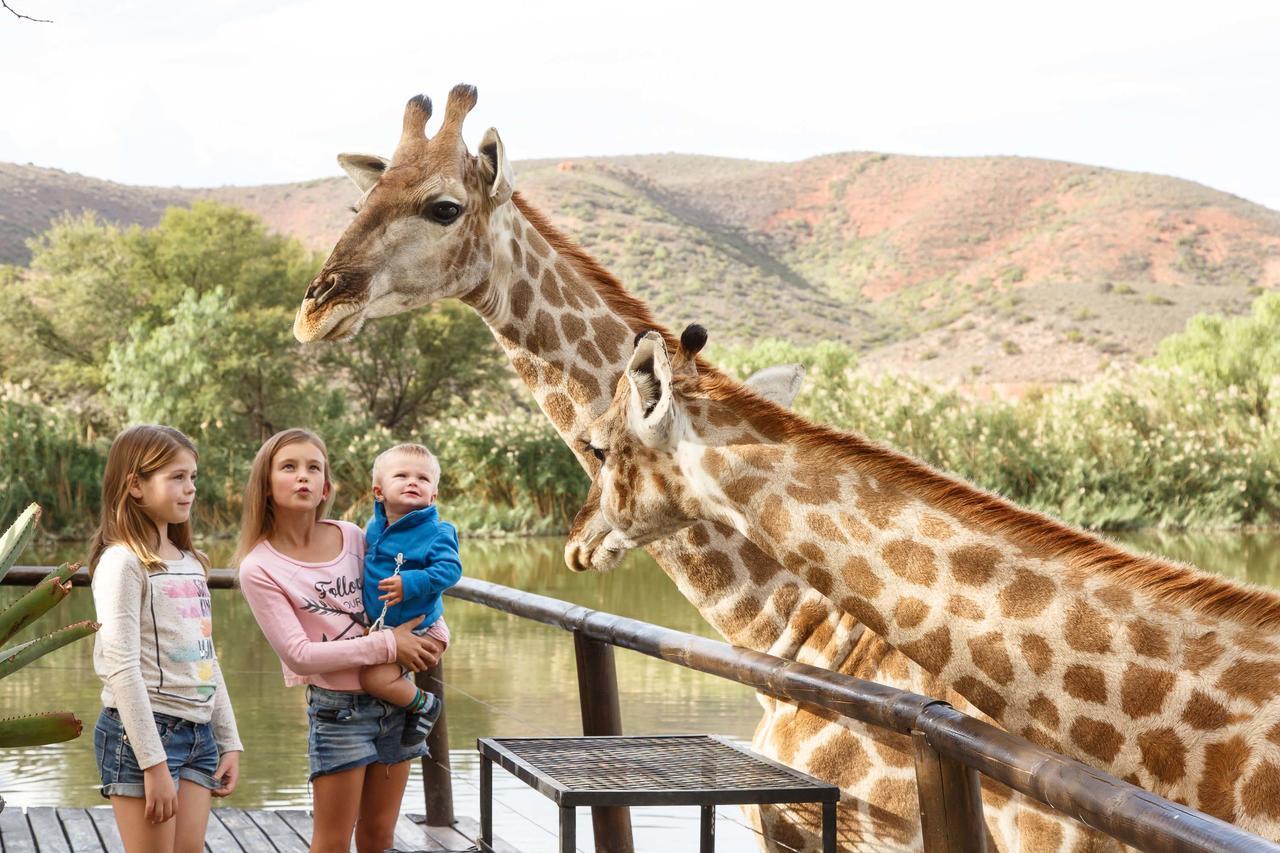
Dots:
pixel 657 770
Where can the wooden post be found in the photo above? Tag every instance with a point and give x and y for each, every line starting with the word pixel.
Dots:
pixel 601 715
pixel 437 784
pixel 950 802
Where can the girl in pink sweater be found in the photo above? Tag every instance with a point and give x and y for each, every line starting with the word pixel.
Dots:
pixel 302 575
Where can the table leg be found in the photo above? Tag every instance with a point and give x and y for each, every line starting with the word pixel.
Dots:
pixel 828 828
pixel 707 841
pixel 568 830
pixel 486 803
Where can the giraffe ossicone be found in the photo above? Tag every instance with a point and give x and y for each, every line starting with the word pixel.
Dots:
pixel 1158 673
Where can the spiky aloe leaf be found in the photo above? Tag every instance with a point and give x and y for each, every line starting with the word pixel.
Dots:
pixel 32 606
pixel 14 659
pixel 18 537
pixel 39 729
pixel 63 573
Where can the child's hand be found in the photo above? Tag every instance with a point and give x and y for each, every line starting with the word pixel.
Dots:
pixel 161 795
pixel 228 772
pixel 392 590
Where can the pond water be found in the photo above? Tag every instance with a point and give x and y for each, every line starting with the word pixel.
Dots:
pixel 506 676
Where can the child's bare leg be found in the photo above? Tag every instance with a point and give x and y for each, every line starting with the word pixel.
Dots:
pixel 386 681
pixel 193 817
pixel 139 834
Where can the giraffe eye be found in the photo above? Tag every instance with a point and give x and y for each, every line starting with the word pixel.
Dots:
pixel 597 452
pixel 444 212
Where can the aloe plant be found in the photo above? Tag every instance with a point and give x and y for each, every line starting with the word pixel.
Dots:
pixel 53 727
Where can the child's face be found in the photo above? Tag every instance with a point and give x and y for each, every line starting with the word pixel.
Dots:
pixel 167 495
pixel 405 482
pixel 297 477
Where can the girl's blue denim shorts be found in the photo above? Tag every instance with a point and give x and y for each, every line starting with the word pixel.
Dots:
pixel 189 749
pixel 353 729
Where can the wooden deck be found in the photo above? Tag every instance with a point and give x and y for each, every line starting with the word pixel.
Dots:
pixel 72 830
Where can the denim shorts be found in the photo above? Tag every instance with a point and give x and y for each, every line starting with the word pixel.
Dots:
pixel 189 749
pixel 353 729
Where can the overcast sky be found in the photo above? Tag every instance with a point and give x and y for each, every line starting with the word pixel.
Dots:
pixel 258 91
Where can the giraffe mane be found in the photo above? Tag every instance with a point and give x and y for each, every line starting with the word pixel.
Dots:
pixel 1172 582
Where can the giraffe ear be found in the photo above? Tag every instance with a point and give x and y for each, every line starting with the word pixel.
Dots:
pixel 493 161
pixel 779 384
pixel 363 169
pixel 649 412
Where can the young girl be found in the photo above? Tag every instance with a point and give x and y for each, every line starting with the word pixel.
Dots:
pixel 166 738
pixel 302 576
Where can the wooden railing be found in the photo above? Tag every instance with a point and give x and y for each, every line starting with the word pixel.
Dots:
pixel 951 748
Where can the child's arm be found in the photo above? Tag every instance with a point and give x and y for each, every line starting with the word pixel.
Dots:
pixel 226 736
pixel 117 598
pixel 443 569
pixel 279 622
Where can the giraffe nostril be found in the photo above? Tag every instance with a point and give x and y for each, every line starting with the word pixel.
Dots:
pixel 322 288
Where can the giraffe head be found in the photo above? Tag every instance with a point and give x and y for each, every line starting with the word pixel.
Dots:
pixel 421 229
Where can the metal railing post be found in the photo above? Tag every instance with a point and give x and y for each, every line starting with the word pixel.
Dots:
pixel 602 715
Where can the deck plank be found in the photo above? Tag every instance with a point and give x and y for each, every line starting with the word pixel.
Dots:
pixel 46 830
pixel 279 832
pixel 105 822
pixel 300 822
pixel 78 827
pixel 16 830
pixel 217 839
pixel 252 839
pixel 469 828
pixel 410 836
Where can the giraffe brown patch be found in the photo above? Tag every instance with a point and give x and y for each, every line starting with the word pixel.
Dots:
pixel 517 255
pixel 839 760
pixel 893 747
pixel 911 561
pixel 743 489
pixel 1043 709
pixel 699 535
pixel 910 612
pixel 741 613
pixel 974 564
pixel 1205 713
pixel 1251 643
pixel 1116 597
pixel 509 336
pixel 708 571
pixel 897 796
pixel 1163 754
pixel 560 410
pixel 1148 639
pixel 1097 738
pixel 551 374
pixel 814 486
pixel 1199 652
pixel 1041 738
pixel 857 531
pixel 583 386
pixel 865 614
pixel 820 579
pixel 1260 796
pixel 761 457
pixel 1037 653
pixel 826 528
pixel 965 608
pixel 550 289
pixel 1085 682
pixel 1026 596
pixel 880 505
pixel 588 352
pixel 573 326
pixel 932 651
pixel 536 242
pixel 609 334
pixel 545 336
pixel 1037 833
pixel 521 298
pixel 714 463
pixel 775 519
pixel 1274 734
pixel 994 794
pixel 981 694
pixel 760 566
pixel 811 552
pixel 526 369
pixel 1087 630
pixel 1255 680
pixel 531 265
pixel 1224 764
pixel 990 655
pixel 1143 690
pixel 935 528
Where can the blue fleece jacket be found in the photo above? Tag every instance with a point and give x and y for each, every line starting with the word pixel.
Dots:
pixel 431 563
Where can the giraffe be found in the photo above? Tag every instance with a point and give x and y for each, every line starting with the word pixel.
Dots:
pixel 1153 671
pixel 435 222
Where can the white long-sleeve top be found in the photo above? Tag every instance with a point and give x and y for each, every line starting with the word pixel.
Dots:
pixel 154 651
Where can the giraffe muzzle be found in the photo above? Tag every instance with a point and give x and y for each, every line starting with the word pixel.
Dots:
pixel 322 288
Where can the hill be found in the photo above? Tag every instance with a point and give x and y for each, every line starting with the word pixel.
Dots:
pixel 991 269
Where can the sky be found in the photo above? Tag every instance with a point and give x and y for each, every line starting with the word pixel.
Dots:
pixel 258 91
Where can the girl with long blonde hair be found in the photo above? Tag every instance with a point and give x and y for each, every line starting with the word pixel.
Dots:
pixel 302 575
pixel 166 739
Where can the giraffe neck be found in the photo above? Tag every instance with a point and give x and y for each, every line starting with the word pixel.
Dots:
pixel 1080 659
pixel 567 332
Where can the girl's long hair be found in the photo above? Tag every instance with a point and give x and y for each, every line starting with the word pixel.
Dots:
pixel 136 454
pixel 258 520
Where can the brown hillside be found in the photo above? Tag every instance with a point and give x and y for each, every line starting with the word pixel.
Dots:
pixel 1001 268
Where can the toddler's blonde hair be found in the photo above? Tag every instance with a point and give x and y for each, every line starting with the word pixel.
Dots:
pixel 409 449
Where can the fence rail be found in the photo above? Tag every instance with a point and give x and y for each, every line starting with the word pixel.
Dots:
pixel 950 746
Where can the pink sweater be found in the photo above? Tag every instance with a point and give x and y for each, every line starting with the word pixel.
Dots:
pixel 305 608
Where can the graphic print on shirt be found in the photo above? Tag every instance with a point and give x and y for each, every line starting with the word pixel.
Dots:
pixel 342 597
pixel 182 599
